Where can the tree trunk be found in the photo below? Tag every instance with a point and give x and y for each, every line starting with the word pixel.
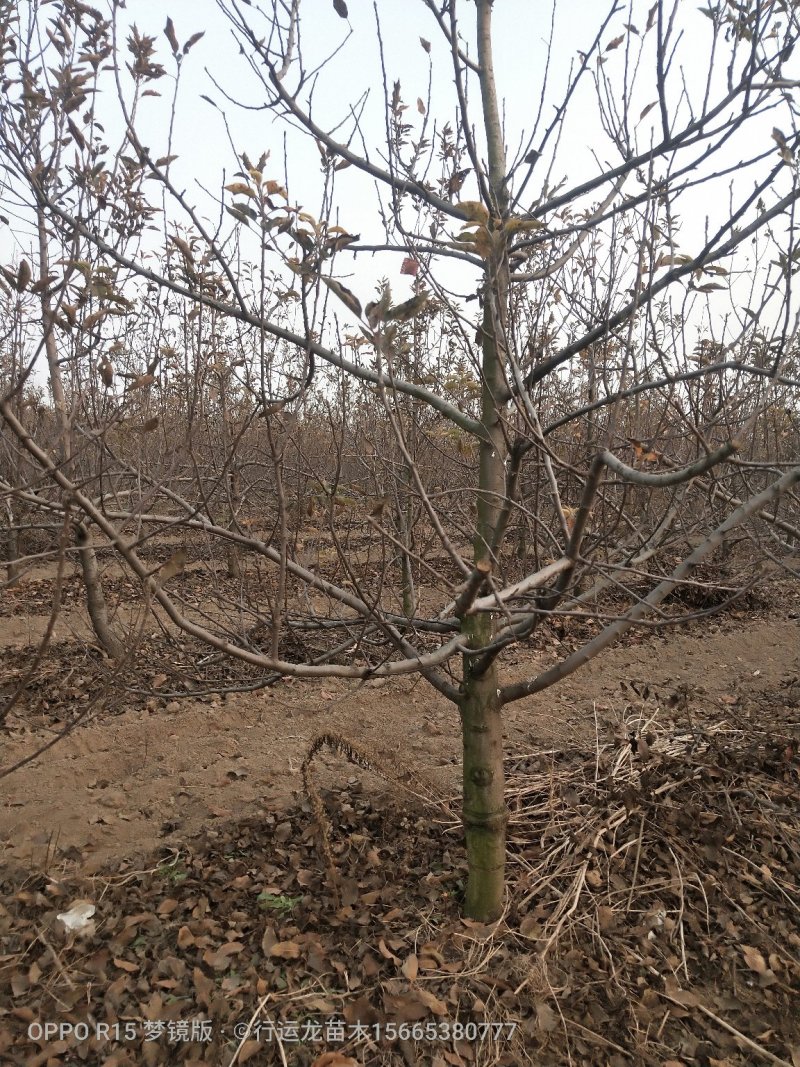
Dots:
pixel 234 502
pixel 484 811
pixel 95 595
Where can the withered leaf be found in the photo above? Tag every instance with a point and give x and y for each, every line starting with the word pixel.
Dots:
pixel 349 299
pixel 546 1018
pixel 754 960
pixel 23 275
pixel 174 566
pixel 438 1007
pixel 193 40
pixel 386 952
pixel 142 381
pixel 285 950
pixel 405 1007
pixel 169 33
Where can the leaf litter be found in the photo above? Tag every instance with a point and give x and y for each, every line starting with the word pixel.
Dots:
pixel 652 919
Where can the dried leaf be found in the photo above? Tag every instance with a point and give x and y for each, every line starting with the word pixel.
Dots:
pixel 240 189
pixel 174 566
pixel 169 33
pixel 285 950
pixel 546 1018
pixel 387 952
pixel 349 299
pixel 142 381
pixel 754 960
pixel 23 275
pixel 432 1003
pixel 193 41
pixel 106 372
pixel 93 319
pixel 408 309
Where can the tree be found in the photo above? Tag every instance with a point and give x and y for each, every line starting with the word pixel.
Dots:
pixel 543 366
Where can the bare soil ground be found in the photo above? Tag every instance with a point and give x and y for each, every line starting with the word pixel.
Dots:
pixel 653 884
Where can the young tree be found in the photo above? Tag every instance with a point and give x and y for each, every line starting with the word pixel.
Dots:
pixel 592 343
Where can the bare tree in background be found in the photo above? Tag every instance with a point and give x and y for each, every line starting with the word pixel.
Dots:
pixel 576 400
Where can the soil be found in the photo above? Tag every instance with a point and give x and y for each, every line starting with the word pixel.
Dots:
pixel 155 775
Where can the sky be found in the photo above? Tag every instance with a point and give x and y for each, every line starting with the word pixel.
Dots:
pixel 354 77
pixel 522 59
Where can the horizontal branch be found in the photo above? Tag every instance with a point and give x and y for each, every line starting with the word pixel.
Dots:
pixel 610 634
pixel 415 663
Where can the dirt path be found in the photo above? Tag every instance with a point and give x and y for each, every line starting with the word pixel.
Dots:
pixel 127 783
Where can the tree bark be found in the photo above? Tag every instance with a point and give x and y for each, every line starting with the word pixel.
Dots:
pixel 484 811
pixel 484 807
pixel 95 595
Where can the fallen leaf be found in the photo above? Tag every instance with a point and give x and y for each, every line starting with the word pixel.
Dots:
pixel 285 950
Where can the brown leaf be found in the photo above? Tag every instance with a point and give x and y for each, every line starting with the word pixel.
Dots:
pixel 221 959
pixel 410 968
pixel 408 309
pixel 530 926
pixel 606 917
pixel 142 380
pixel 360 1011
pixel 454 1058
pixel 754 960
pixel 169 33
pixel 174 566
pixel 185 937
pixel 438 1007
pixel 546 1018
pixel 183 246
pixel 334 1059
pixel 23 275
pixel 680 996
pixel 285 950
pixel 386 952
pixel 350 300
pixel 106 372
pixel 407 1007
pixel 193 41
pixel 204 987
